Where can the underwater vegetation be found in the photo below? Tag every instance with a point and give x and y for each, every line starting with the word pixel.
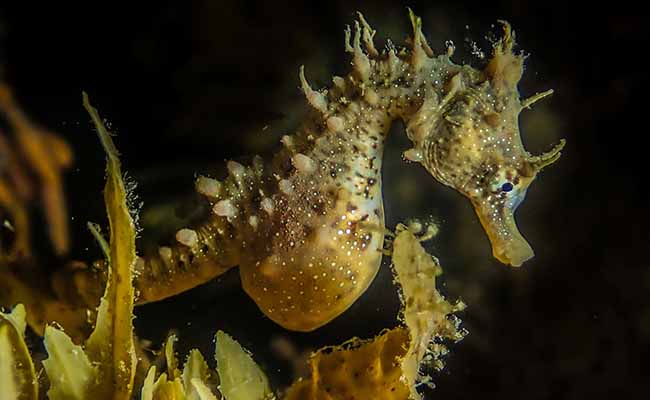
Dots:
pixel 306 230
pixel 31 169
pixel 104 367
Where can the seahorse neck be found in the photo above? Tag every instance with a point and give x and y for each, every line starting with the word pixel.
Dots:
pixel 360 106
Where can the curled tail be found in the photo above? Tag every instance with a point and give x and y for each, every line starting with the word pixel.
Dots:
pixel 197 256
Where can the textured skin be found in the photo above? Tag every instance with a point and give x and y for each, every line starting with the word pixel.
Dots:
pixel 357 370
pixel 307 229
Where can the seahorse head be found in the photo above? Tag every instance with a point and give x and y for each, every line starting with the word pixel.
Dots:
pixel 472 144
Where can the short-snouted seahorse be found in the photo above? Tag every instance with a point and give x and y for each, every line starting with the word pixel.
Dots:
pixel 307 231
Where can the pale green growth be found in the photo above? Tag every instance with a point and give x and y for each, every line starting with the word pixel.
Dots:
pixel 201 390
pixel 17 375
pixel 161 388
pixel 96 231
pixel 241 378
pixel 170 358
pixel 173 384
pixel 196 373
pixel 71 374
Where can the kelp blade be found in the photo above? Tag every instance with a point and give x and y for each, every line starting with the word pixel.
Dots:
pixel 111 343
pixel 105 369
pixel 240 377
pixel 17 375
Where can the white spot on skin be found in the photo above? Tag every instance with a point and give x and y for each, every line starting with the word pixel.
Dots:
pixel 225 208
pixel 393 63
pixel 285 186
pixel 208 187
pixel 253 221
pixel 303 163
pixel 267 205
pixel 414 155
pixel 339 82
pixel 236 169
pixel 187 237
pixel 335 124
pixel 165 253
pixel 371 97
pixel 139 265
pixel 287 141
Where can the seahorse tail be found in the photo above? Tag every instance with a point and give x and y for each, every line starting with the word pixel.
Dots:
pixel 197 256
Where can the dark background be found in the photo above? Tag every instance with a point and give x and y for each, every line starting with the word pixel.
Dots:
pixel 187 85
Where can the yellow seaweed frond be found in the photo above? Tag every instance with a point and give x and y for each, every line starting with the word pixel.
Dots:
pixel 17 375
pixel 357 369
pixel 111 343
pixel 34 160
pixel 105 368
pixel 425 311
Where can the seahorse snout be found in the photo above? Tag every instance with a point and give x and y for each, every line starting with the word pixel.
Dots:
pixel 514 251
pixel 508 244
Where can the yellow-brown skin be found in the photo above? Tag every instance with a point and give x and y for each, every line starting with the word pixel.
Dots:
pixel 468 138
pixel 307 230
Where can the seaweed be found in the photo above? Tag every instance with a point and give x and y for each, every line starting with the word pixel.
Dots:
pixel 17 374
pixel 104 367
pixel 32 161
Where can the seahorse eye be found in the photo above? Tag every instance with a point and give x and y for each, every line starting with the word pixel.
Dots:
pixel 507 186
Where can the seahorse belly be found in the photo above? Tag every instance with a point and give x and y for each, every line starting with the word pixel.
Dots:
pixel 325 246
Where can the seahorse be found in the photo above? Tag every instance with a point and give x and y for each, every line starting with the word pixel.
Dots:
pixel 307 229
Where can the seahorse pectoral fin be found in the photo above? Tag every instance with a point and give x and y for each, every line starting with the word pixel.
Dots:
pixel 508 245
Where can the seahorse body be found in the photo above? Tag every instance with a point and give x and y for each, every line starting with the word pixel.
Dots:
pixel 307 230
